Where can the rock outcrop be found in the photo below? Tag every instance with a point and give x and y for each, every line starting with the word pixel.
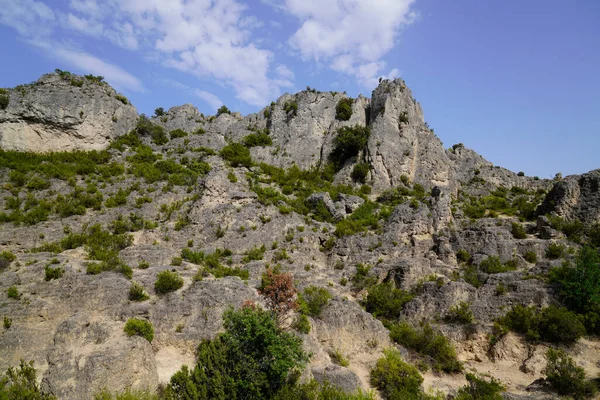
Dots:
pixel 64 112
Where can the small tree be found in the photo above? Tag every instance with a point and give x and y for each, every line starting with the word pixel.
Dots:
pixel 566 377
pixel 22 384
pixel 159 112
pixel 279 292
pixel 223 110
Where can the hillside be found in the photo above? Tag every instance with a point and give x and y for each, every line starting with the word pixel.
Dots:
pixel 357 197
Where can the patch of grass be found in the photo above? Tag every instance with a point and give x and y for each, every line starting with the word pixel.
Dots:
pixel 139 327
pixel 338 358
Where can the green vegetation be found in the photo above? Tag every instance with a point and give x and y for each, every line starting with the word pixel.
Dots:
pixel 460 313
pixel 178 133
pixel 566 377
pixel 348 142
pixel 360 172
pixel 13 293
pixel 480 389
pixel 463 256
pixel 365 217
pixel 53 273
pixel 255 254
pixel 167 281
pixel 211 264
pixel 556 251
pixel 21 383
pixel 4 100
pixel 253 358
pixel 302 324
pixel 427 342
pixel 395 379
pixel 291 108
pixel 315 391
pixel 121 98
pixel 343 109
pixel 128 394
pixel 159 112
pixel 518 231
pixel 139 327
pixel 515 201
pixel 223 110
pixel 237 155
pixel 137 292
pixel 493 265
pixel 257 139
pixel 313 300
pixel 6 257
pixel 385 301
pixel 552 324
pixel 530 257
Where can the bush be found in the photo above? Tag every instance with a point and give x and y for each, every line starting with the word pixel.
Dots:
pixel 4 100
pixel 552 324
pixel 128 394
pixel 255 254
pixel 314 390
pixel 530 257
pixel 555 251
pixel 302 324
pixel 167 281
pixel 178 133
pixel 429 343
pixel 493 265
pixel 122 98
pixel 291 108
pixel 480 389
pixel 566 377
pixel 253 359
pixel 360 172
pixel 237 155
pixel 6 257
pixel 385 301
pixel 396 379
pixel 159 112
pixel 137 292
pixel 463 256
pixel 223 110
pixel 348 142
pixel 460 313
pixel 279 291
pixel 343 109
pixel 53 273
pixel 139 327
pixel 518 231
pixel 13 293
pixel 21 383
pixel 313 300
pixel 257 139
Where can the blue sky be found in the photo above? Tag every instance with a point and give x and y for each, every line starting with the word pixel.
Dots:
pixel 517 81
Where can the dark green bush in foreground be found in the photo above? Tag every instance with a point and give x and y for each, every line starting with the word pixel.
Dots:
pixel 395 379
pixel 252 359
pixel 480 389
pixel 566 377
pixel 21 384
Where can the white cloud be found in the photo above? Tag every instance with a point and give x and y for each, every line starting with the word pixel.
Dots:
pixel 30 18
pixel 84 25
pixel 209 98
pixel 350 35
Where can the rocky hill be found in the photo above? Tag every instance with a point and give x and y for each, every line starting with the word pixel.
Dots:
pixel 357 199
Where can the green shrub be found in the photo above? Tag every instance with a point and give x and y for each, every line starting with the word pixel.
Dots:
pixel 460 313
pixel 237 155
pixel 7 322
pixel 566 377
pixel 13 293
pixel 253 359
pixel 137 292
pixel 360 172
pixel 385 301
pixel 555 251
pixel 403 117
pixel 232 177
pixel 167 281
pixel 343 109
pixel 313 300
pixel 463 256
pixel 314 390
pixel 361 278
pixel 396 379
pixel 257 139
pixel 429 343
pixel 480 389
pixel 6 257
pixel 518 231
pixel 223 110
pixel 291 108
pixel 302 324
pixel 493 265
pixel 4 100
pixel 348 142
pixel 471 276
pixel 338 358
pixel 53 273
pixel 122 98
pixel 128 394
pixel 365 217
pixel 139 327
pixel 159 112
pixel 552 324
pixel 21 384
pixel 530 257
pixel 178 133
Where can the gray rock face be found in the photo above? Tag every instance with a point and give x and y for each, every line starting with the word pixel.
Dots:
pixel 338 376
pixel 185 117
pixel 576 196
pixel 52 114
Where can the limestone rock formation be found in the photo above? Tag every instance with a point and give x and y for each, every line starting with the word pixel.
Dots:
pixel 64 112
